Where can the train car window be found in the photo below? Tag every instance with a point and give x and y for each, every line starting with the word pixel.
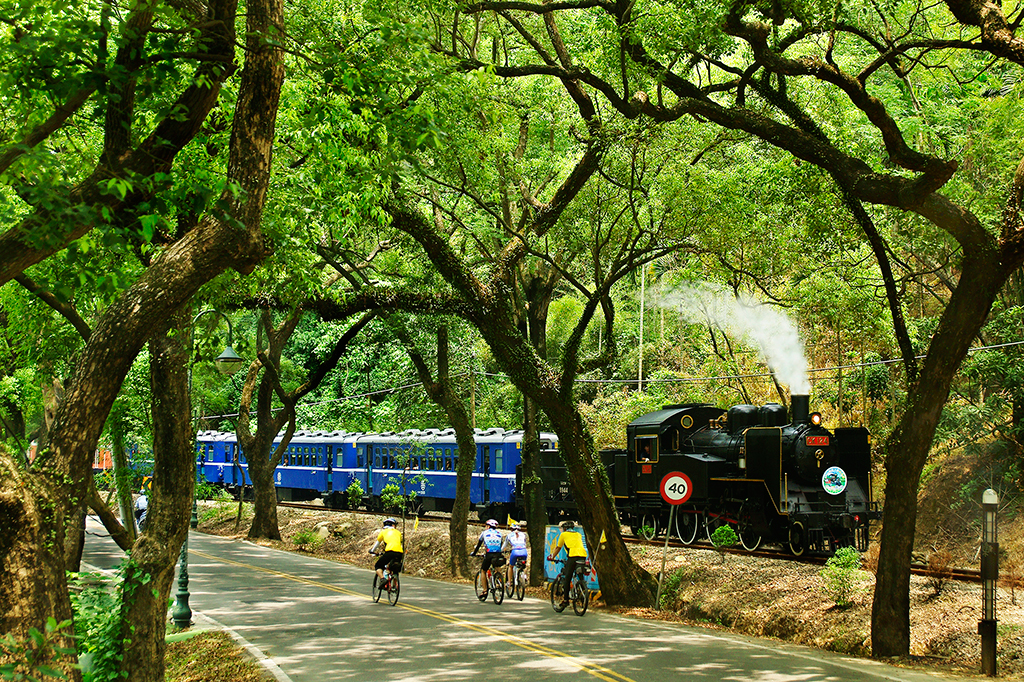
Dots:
pixel 360 456
pixel 646 449
pixel 376 457
pixel 455 458
pixel 497 460
pixel 485 459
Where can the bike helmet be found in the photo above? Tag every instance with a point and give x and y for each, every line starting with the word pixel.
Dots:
pixel 390 522
pixel 514 526
pixel 491 523
pixel 566 525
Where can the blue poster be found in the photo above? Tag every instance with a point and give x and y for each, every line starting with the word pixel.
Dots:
pixel 553 568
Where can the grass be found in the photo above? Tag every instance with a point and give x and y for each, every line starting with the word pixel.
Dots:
pixel 210 657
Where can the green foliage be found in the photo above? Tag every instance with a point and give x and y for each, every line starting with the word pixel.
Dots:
pixel 723 538
pixel 354 493
pixel 308 540
pixel 391 497
pixel 208 491
pixel 839 577
pixel 670 589
pixel 31 660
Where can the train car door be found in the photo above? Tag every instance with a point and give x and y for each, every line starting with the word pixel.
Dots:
pixel 645 450
pixel 487 473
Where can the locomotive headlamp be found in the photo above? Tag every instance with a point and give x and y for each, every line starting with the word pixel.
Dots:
pixel 816 418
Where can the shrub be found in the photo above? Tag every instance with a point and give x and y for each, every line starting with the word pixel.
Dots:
pixel 97 607
pixel 208 491
pixel 723 538
pixel 940 565
pixel 354 494
pixel 308 540
pixel 839 576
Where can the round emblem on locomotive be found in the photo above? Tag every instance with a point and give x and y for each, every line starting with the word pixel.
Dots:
pixel 833 480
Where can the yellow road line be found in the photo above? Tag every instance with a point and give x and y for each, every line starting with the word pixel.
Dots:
pixel 590 668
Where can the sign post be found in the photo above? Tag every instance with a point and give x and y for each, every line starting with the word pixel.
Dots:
pixel 676 488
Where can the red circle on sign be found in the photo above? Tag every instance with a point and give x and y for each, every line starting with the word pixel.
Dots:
pixel 676 487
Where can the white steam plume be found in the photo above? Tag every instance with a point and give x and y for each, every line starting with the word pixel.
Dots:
pixel 767 328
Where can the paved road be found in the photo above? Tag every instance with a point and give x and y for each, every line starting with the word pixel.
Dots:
pixel 316 622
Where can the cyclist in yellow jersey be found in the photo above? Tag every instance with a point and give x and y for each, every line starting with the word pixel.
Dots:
pixel 573 544
pixel 391 539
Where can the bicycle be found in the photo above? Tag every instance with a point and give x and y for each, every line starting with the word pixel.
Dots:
pixel 390 583
pixel 490 582
pixel 579 595
pixel 517 585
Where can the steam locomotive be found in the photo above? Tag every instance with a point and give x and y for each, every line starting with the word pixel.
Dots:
pixel 773 480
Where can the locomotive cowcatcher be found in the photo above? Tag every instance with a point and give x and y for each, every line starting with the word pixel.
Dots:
pixel 775 481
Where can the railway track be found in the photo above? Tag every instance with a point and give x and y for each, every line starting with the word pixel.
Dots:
pixel 958 574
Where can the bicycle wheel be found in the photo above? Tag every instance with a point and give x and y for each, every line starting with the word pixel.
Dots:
pixel 375 592
pixel 498 590
pixel 556 595
pixel 480 586
pixel 519 576
pixel 393 588
pixel 580 596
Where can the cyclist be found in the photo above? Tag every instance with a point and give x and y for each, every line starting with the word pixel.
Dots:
pixel 141 509
pixel 492 541
pixel 391 538
pixel 573 544
pixel 515 541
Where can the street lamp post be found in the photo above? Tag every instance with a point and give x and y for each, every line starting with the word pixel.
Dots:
pixel 989 579
pixel 227 363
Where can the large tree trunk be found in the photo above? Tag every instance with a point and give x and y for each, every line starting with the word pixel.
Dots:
pixel 533 492
pixel 147 584
pixel 908 447
pixel 32 582
pixel 622 580
pixel 264 522
pixel 538 288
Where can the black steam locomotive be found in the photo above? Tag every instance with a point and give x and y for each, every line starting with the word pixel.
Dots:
pixel 790 483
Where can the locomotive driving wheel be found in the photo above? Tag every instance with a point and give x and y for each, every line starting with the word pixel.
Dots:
pixel 750 536
pixel 687 522
pixel 797 538
pixel 646 527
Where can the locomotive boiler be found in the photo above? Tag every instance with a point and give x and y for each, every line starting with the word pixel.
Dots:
pixel 775 480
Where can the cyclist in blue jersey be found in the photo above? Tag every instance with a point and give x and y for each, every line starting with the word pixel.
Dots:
pixel 515 541
pixel 492 541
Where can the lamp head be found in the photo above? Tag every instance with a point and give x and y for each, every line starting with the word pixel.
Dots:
pixel 229 361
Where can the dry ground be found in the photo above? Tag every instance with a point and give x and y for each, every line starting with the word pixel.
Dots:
pixel 759 597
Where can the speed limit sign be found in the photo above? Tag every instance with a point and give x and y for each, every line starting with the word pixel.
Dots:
pixel 676 487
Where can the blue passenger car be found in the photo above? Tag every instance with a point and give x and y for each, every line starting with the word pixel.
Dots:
pixel 344 468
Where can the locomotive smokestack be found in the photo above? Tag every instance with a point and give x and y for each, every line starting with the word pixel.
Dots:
pixel 801 407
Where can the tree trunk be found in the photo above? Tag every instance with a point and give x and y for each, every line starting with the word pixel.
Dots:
pixel 147 581
pixel 538 290
pixel 122 472
pixel 264 522
pixel 533 492
pixel 32 579
pixel 908 447
pixel 442 393
pixel 622 580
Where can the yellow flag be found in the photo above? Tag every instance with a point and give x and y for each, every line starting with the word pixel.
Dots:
pixel 416 525
pixel 510 520
pixel 604 538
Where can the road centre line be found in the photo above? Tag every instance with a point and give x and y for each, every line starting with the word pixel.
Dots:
pixel 590 668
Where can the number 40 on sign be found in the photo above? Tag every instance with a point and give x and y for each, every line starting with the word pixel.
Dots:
pixel 676 487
